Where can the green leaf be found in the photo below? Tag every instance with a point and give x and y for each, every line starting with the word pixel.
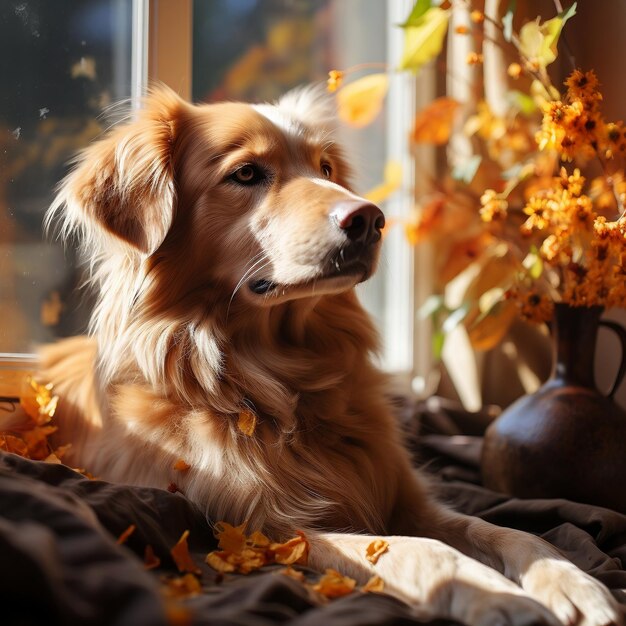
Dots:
pixel 533 263
pixel 507 21
pixel 522 102
pixel 423 40
pixel 538 42
pixel 467 170
pixel 419 8
pixel 438 340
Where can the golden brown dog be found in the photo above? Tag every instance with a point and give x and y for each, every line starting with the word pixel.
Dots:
pixel 225 243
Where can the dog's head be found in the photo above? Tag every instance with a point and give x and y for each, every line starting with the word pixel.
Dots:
pixel 253 198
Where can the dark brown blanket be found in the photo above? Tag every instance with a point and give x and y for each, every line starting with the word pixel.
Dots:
pixel 60 564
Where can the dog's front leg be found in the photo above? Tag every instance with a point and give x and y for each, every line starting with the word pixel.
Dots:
pixel 435 579
pixel 545 574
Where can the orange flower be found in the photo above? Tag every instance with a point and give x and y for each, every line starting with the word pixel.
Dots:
pixel 335 78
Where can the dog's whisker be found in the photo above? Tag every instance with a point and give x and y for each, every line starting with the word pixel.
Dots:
pixel 259 264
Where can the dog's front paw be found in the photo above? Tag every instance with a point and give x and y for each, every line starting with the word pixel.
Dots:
pixel 432 576
pixel 573 596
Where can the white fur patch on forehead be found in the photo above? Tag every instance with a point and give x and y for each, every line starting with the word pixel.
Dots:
pixel 328 184
pixel 302 110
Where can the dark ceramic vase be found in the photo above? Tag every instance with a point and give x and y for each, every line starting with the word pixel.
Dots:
pixel 566 440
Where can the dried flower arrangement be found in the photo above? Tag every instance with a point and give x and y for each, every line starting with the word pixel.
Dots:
pixel 517 217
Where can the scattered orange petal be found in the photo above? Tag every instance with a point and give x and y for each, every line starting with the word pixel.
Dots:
pixel 181 466
pixel 461 30
pixel 292 573
pixel 258 540
pixel 181 586
pixel 334 585
pixel 181 556
pixel 477 17
pixel 177 614
pixel 247 422
pixel 150 559
pixel 36 440
pixel 218 561
pixel 375 550
pixel 61 451
pixel 374 585
pixel 295 550
pixel 249 560
pixel 85 473
pixel 231 538
pixel 53 458
pixel 9 443
pixel 126 534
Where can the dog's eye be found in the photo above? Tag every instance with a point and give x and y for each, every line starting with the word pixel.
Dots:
pixel 248 175
pixel 327 170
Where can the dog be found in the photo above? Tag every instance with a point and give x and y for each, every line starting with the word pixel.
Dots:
pixel 224 242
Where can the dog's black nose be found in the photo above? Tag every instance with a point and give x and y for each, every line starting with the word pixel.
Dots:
pixel 361 221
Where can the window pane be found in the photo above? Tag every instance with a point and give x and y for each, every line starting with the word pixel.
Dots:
pixel 61 63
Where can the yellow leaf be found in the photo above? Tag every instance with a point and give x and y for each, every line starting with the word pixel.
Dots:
pixel 423 41
pixel 181 466
pixel 374 585
pixel 391 183
pixel 433 123
pixel 231 538
pixel 126 534
pixel 375 549
pixel 295 550
pixel 181 587
pixel 258 540
pixel 361 101
pixel 292 573
pixel 247 422
pixel 489 331
pixel 334 585
pixel 181 556
pixel 217 560
pixel 538 42
pixel 150 559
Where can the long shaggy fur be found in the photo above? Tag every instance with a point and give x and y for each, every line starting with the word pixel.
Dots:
pixel 183 339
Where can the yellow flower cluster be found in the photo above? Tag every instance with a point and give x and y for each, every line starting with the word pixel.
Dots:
pixel 583 249
pixel 575 127
pixel 494 207
pixel 575 233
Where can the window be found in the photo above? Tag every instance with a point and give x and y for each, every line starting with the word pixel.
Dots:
pixel 67 61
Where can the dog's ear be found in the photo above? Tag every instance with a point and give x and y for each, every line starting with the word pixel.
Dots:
pixel 123 184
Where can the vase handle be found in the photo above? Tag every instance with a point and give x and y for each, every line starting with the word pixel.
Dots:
pixel 620 331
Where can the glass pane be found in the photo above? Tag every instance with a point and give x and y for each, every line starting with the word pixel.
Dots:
pixel 256 50
pixel 61 63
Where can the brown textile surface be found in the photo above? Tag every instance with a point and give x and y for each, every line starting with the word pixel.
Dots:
pixel 60 564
